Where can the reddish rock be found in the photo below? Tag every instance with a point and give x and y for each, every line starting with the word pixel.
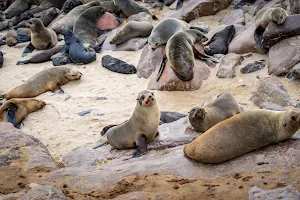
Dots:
pixel 107 21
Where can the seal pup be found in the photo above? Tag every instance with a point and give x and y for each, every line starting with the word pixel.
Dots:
pixel 140 129
pixel 179 53
pixel 243 133
pixel 41 37
pixel 47 80
pixel 132 29
pixel 264 17
pixel 15 110
pixel 14 37
pixel 222 107
pixel 220 41
pixel 117 65
pixel 70 4
pixel 11 37
pixel 16 8
pixel 130 7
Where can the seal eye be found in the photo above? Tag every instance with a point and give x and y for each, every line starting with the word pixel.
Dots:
pixel 142 97
pixel 152 93
pixel 293 117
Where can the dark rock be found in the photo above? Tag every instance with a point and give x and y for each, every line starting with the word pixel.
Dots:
pixel 253 67
pixel 140 17
pixel 117 65
pixel 149 61
pixel 271 106
pixel 294 7
pixel 283 56
pixel 270 90
pixel 286 193
pixel 60 59
pixel 174 5
pixel 168 117
pixel 85 112
pixel 275 33
pixel 236 17
pixel 170 82
pixel 228 64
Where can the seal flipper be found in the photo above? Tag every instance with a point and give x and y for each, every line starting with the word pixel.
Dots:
pixel 2 42
pixel 161 69
pixel 2 96
pixel 101 145
pixel 29 49
pixel 258 36
pixel 204 57
pixel 204 31
pixel 141 148
pixel 105 129
pixel 58 91
pixel 11 112
pixel 24 62
pixel 179 4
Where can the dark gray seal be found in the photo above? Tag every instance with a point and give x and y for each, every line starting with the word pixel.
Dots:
pixel 117 65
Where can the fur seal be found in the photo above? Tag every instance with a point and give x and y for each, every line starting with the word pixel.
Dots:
pixel 294 73
pixel 222 107
pixel 253 66
pixel 117 65
pixel 15 20
pixel 46 4
pixel 16 8
pixel 132 29
pixel 220 41
pixel 11 38
pixel 14 37
pixel 264 17
pixel 180 53
pixel 46 80
pixel 243 133
pixel 140 129
pixel 41 37
pixel 42 57
pixel 15 110
pixel 70 4
pixel 130 7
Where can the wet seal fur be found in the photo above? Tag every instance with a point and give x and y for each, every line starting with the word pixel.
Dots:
pixel 180 53
pixel 140 129
pixel 263 18
pixel 15 110
pixel 220 41
pixel 117 65
pixel 46 80
pixel 243 133
pixel 222 107
pixel 132 29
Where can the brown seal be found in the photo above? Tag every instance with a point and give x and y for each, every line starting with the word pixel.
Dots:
pixel 15 110
pixel 46 80
pixel 222 107
pixel 243 133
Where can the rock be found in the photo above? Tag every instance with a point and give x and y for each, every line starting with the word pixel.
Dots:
pixel 43 192
pixel 170 82
pixel 271 90
pixel 236 17
pixel 149 61
pixel 22 150
pixel 140 17
pixel 271 106
pixel 168 2
pixel 245 43
pixel 253 67
pixel 294 7
pixel 173 5
pixel 199 8
pixel 275 33
pixel 158 5
pixel 295 72
pixel 283 56
pixel 117 65
pixel 168 117
pixel 228 64
pixel 286 193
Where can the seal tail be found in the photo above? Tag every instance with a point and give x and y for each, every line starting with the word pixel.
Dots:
pixel 204 31
pixel 179 4
pixel 105 129
pixel 101 145
pixel 161 69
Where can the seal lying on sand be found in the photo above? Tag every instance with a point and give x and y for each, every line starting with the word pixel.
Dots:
pixel 243 133
pixel 116 65
pixel 220 41
pixel 221 108
pixel 180 53
pixel 15 110
pixel 140 129
pixel 14 37
pixel 46 80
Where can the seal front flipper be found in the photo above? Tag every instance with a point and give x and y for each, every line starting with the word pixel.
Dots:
pixel 204 57
pixel 24 62
pixel 161 69
pixel 11 113
pixel 179 4
pixel 101 145
pixel 29 49
pixel 58 91
pixel 258 36
pixel 141 148
pixel 105 129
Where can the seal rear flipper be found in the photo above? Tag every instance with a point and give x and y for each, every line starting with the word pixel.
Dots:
pixel 205 31
pixel 141 148
pixel 11 113
pixel 101 145
pixel 161 69
pixel 29 49
pixel 105 129
pixel 204 57
pixel 22 62
pixel 58 91
pixel 179 4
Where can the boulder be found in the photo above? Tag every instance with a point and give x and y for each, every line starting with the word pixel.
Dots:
pixel 149 61
pixel 271 90
pixel 170 82
pixel 294 7
pixel 235 17
pixel 271 106
pixel 275 33
pixel 228 64
pixel 140 17
pixel 168 117
pixel 245 43
pixel 286 193
pixel 199 8
pixel 283 56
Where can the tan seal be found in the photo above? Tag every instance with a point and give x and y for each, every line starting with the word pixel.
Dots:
pixel 132 29
pixel 140 129
pixel 15 110
pixel 46 80
pixel 265 16
pixel 222 107
pixel 243 133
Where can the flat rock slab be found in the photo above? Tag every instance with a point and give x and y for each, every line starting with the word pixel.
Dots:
pixel 271 90
pixel 275 33
pixel 286 193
